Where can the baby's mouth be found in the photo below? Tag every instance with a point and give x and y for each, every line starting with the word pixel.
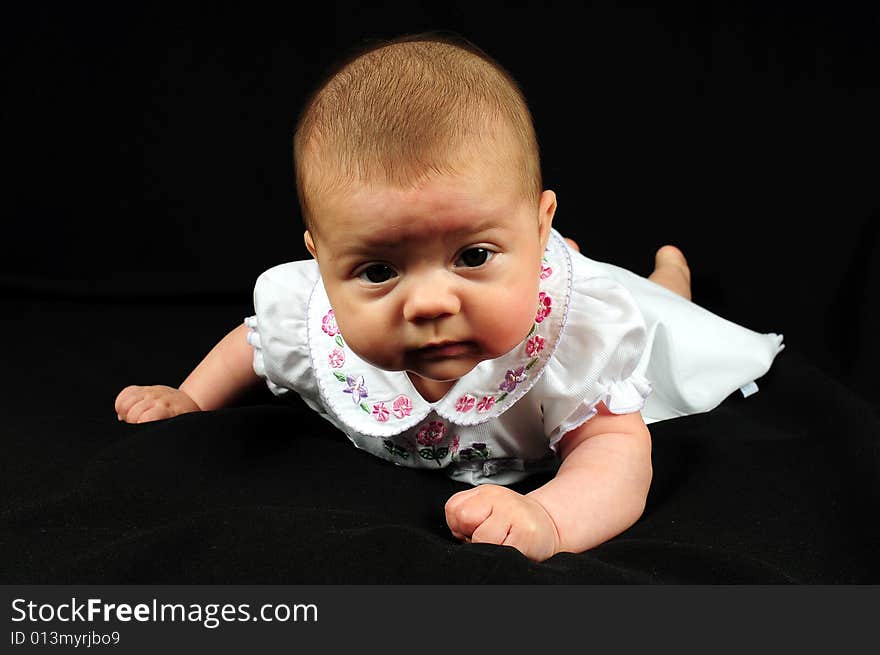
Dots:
pixel 445 349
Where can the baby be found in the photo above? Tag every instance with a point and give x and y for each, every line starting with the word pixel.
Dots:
pixel 443 323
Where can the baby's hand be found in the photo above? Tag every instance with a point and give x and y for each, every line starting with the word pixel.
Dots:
pixel 141 404
pixel 497 515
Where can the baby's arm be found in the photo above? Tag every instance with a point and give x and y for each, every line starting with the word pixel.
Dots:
pixel 598 492
pixel 223 375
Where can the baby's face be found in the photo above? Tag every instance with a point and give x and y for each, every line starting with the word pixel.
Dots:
pixel 433 280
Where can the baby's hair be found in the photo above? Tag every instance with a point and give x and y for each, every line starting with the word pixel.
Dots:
pixel 403 110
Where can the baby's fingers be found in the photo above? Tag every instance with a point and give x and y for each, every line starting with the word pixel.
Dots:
pixel 465 511
pixel 137 412
pixel 141 404
pixel 154 413
pixel 127 399
pixel 494 530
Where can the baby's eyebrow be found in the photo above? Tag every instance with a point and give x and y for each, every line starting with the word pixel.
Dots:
pixel 390 238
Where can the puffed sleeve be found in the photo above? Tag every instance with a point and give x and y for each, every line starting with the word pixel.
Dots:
pixel 603 340
pixel 278 328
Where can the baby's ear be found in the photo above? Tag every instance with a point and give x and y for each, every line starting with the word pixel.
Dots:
pixel 310 244
pixel 546 211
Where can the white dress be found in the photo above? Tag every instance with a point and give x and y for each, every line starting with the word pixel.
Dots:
pixel 601 334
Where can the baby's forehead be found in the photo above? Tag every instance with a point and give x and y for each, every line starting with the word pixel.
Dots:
pixel 444 205
pixel 457 199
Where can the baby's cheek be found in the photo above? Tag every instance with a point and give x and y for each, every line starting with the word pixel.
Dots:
pixel 362 334
pixel 372 345
pixel 509 319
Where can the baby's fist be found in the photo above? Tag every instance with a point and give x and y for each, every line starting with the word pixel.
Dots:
pixel 497 515
pixel 142 404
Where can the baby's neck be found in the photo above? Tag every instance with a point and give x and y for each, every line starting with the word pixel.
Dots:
pixel 430 390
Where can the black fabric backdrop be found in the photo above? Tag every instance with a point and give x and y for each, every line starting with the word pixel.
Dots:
pixel 149 182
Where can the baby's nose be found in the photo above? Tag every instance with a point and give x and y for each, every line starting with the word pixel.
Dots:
pixel 431 297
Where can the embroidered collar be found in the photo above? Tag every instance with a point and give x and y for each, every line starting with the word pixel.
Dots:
pixel 385 403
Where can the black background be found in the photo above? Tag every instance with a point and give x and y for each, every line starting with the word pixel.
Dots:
pixel 149 151
pixel 149 181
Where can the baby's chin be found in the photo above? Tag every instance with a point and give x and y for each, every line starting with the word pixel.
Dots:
pixel 437 368
pixel 443 371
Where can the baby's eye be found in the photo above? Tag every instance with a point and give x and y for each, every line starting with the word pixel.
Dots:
pixel 473 257
pixel 377 273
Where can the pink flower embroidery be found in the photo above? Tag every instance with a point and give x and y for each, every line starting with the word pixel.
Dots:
pixel 328 324
pixel 534 345
pixel 337 358
pixel 380 411
pixel 455 442
pixel 465 403
pixel 544 307
pixel 513 378
pixel 432 433
pixel 401 406
pixel 485 404
pixel 546 271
